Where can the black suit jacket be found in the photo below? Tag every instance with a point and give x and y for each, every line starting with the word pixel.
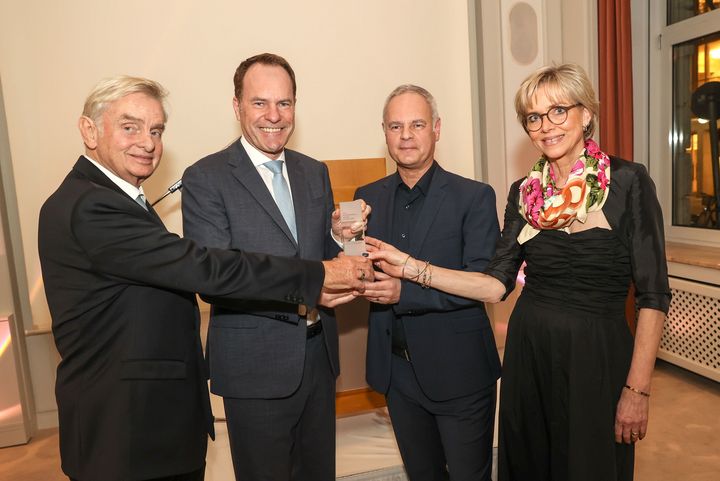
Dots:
pixel 131 386
pixel 449 337
pixel 257 349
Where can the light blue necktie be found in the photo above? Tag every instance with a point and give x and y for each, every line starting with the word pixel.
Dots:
pixel 282 195
pixel 140 199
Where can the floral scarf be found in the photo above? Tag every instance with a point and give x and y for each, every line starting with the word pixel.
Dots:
pixel 546 206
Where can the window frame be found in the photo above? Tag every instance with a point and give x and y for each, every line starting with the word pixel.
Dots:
pixel 662 38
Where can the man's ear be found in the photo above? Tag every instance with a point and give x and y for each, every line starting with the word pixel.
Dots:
pixel 236 108
pixel 436 129
pixel 89 132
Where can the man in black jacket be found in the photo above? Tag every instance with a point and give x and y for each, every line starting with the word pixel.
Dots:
pixel 432 354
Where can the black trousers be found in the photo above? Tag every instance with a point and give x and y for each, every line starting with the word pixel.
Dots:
pixel 441 440
pixel 292 438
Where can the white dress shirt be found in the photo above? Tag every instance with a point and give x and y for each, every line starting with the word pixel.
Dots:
pixel 258 159
pixel 126 186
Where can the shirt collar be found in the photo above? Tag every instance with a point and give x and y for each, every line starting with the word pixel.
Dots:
pixel 124 185
pixel 423 185
pixel 257 157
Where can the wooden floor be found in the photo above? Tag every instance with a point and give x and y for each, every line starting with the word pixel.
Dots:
pixel 683 442
pixel 357 401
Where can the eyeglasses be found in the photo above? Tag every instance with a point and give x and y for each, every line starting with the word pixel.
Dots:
pixel 557 115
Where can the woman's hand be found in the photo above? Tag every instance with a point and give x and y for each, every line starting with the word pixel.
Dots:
pixel 386 257
pixel 631 417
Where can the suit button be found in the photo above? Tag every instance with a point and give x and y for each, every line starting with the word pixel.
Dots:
pixel 387 331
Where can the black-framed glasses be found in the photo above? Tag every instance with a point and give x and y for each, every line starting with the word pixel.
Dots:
pixel 557 114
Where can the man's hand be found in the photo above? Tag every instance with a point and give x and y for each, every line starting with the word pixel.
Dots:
pixel 348 273
pixel 343 233
pixel 333 298
pixel 385 289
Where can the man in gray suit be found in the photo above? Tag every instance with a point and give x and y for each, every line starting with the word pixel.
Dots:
pixel 274 364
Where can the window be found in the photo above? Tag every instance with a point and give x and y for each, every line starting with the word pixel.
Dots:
pixel 696 63
pixel 684 62
pixel 681 9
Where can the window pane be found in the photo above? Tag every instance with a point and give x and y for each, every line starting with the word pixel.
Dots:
pixel 681 9
pixel 695 63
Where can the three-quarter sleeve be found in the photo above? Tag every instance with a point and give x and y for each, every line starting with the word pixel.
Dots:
pixel 647 244
pixel 509 254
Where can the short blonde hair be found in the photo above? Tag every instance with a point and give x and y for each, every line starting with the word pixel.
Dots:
pixel 111 89
pixel 564 83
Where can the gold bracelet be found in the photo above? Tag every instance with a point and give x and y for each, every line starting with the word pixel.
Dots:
pixel 637 391
pixel 420 272
pixel 402 274
pixel 427 277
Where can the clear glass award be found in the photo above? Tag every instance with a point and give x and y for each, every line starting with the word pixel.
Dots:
pixel 350 214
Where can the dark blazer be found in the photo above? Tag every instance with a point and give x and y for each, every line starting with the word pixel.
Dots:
pixel 449 337
pixel 257 349
pixel 131 385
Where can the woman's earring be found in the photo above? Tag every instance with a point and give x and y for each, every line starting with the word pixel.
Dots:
pixel 586 127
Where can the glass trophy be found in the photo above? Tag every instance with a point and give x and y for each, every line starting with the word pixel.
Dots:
pixel 350 214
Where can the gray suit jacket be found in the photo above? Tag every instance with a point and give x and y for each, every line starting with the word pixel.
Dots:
pixel 257 349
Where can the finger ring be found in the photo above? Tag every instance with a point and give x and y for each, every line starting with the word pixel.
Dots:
pixel 633 434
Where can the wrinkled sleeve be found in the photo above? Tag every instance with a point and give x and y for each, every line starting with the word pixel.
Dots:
pixel 140 250
pixel 647 245
pixel 509 254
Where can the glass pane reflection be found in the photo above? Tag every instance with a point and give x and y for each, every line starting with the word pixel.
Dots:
pixel 695 63
pixel 678 10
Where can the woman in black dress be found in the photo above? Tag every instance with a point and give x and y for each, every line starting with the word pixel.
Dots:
pixel 576 385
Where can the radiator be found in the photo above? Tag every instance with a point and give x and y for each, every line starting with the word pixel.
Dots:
pixel 691 335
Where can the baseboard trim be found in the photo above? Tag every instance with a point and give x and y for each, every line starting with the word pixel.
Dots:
pixel 356 401
pixel 13 435
pixel 47 419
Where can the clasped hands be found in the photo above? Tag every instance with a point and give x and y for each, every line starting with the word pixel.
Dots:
pixel 379 286
pixel 346 276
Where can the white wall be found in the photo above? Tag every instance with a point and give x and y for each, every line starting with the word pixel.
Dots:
pixel 347 56
pixel 515 37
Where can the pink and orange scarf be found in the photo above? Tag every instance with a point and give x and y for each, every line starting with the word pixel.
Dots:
pixel 546 206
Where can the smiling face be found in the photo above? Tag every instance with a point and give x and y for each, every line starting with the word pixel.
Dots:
pixel 410 132
pixel 266 110
pixel 560 143
pixel 129 142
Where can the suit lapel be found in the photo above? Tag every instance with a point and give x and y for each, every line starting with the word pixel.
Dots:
pixel 300 194
pixel 92 173
pixel 383 212
pixel 245 172
pixel 153 213
pixel 430 209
